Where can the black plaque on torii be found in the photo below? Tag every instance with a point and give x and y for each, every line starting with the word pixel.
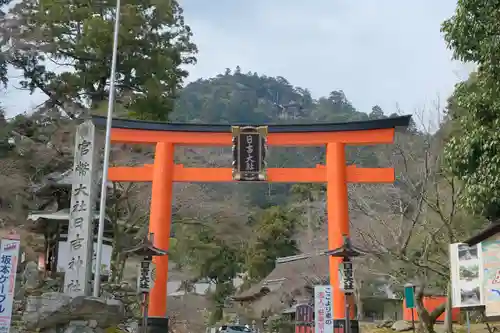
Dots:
pixel 249 152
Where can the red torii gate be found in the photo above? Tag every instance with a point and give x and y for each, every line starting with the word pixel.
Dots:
pixel 164 172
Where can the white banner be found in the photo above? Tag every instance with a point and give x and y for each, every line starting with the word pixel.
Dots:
pixel 9 256
pixel 323 309
pixel 466 275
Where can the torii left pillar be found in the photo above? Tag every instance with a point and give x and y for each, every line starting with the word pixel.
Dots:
pixel 160 222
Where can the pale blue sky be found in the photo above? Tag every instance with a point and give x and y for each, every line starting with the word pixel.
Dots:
pixel 383 52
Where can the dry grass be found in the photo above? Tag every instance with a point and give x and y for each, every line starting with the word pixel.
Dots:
pixel 475 328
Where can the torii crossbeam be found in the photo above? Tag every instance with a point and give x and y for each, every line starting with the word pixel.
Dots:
pixel 164 172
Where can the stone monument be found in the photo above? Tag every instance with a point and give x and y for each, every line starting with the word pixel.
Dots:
pixel 75 310
pixel 78 271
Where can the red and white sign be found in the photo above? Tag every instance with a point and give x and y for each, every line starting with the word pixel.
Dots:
pixel 323 309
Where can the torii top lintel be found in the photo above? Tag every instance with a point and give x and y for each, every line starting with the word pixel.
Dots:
pixel 379 131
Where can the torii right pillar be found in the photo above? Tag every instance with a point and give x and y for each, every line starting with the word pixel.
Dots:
pixel 338 224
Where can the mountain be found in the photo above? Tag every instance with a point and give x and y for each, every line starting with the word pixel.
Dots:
pixel 234 97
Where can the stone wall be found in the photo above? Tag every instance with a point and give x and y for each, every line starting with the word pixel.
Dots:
pixel 56 312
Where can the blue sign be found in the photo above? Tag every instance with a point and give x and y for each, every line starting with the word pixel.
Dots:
pixel 409 296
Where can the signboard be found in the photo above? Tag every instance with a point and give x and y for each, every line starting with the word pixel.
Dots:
pixel 249 151
pixel 491 275
pixel 346 277
pixel 78 268
pixel 9 256
pixel 146 276
pixel 304 318
pixel 409 292
pixel 323 309
pixel 304 313
pixel 466 275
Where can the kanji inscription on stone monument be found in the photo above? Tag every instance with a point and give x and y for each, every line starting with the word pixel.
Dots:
pixel 78 269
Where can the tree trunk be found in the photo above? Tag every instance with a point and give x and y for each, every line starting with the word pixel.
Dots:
pixel 448 320
pixel 121 268
pixel 359 304
pixel 426 319
pixel 358 286
pixel 115 255
pixel 310 228
pixel 426 324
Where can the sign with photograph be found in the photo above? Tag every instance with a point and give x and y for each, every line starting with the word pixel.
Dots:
pixel 323 309
pixel 466 275
pixel 249 151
